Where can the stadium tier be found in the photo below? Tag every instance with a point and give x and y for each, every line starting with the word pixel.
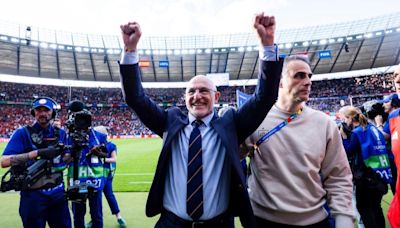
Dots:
pixel 361 44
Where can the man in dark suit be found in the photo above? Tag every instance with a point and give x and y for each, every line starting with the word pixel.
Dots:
pixel 199 180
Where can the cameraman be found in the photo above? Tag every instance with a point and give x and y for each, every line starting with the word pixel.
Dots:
pixel 27 144
pixel 389 103
pixel 88 153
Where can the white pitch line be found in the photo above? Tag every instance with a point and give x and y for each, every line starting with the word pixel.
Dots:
pixel 134 174
pixel 140 182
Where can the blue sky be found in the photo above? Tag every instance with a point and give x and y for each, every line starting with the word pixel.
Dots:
pixel 185 17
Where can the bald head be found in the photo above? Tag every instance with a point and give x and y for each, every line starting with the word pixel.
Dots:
pixel 202 79
pixel 200 96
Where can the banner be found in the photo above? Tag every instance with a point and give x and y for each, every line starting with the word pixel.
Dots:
pixel 325 54
pixel 241 98
pixel 163 64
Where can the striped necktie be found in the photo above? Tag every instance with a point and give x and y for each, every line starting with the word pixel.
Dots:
pixel 194 194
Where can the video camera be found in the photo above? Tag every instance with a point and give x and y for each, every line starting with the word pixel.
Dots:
pixel 373 108
pixel 78 124
pixel 39 175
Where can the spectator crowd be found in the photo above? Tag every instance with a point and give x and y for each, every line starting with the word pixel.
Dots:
pixel 109 109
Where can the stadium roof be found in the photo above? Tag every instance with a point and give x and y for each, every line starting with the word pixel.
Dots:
pixel 354 45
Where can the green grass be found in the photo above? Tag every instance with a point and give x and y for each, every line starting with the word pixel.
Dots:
pixel 137 159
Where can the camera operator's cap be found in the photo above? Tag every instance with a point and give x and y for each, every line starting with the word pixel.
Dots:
pixel 44 102
pixel 391 97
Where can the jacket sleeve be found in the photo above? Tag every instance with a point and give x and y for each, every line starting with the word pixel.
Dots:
pixel 147 110
pixel 253 112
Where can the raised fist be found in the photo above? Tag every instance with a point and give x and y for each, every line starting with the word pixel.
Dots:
pixel 130 35
pixel 265 27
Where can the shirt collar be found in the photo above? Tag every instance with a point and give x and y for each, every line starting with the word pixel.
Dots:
pixel 206 120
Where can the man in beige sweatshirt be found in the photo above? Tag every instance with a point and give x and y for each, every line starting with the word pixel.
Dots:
pixel 299 165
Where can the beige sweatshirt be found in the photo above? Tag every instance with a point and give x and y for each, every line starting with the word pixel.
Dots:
pixel 285 185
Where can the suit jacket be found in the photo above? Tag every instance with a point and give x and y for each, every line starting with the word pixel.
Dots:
pixel 233 128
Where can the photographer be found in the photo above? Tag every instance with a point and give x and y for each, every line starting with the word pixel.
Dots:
pixel 39 203
pixel 370 166
pixel 86 173
pixel 389 105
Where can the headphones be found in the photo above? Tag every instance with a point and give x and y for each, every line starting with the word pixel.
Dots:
pixel 45 102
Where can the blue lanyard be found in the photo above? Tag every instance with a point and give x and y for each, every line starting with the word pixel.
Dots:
pixel 277 128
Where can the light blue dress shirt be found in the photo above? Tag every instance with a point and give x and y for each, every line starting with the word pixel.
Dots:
pixel 216 172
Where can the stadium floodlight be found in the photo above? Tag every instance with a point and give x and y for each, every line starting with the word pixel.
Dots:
pixel 378 33
pixel 249 48
pixel 232 49
pixel 93 50
pixel 306 43
pixel 5 38
pixel 86 49
pixel 349 38
pixel 314 42
pixel 61 47
pixel 199 51
pixel 280 46
pixel 23 42
pixel 44 45
pixel 216 50
pixel 100 50
pixel 169 52
pixel 192 51
pixel 288 45
pixel 15 40
pixel 323 41
pixel 148 52
pixel 163 52
pixel 398 30
pixel 53 46
pixel 177 52
pixel 223 50
pixel 359 36
pixel 388 31
pixel 256 48
pixel 33 43
pixel 340 39
pixel 140 52
pixel 241 49
pixel 368 35
pixel 184 52
pixel 208 51
pixel 156 52
pixel 78 49
pixel 332 40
